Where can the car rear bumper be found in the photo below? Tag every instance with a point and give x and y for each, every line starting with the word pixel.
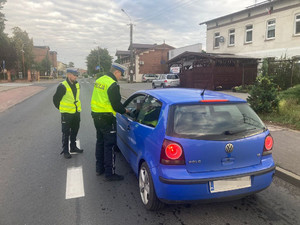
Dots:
pixel 197 186
pixel 171 85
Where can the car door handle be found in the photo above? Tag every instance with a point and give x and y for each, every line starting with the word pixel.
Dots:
pixel 128 127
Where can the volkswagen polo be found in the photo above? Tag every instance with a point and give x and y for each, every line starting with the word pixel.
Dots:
pixel 187 145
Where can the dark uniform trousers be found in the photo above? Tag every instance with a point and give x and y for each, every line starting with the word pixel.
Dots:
pixel 105 124
pixel 70 126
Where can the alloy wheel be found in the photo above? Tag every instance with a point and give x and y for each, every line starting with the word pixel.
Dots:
pixel 144 185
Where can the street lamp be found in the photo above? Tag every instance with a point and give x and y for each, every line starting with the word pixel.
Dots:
pixel 131 53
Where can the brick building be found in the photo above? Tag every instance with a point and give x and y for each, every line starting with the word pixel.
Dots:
pixel 147 59
pixel 41 52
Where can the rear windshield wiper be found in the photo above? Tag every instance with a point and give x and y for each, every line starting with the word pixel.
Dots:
pixel 231 132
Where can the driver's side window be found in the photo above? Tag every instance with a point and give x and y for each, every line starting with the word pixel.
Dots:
pixel 149 113
pixel 134 106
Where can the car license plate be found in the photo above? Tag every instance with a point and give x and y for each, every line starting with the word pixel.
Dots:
pixel 229 184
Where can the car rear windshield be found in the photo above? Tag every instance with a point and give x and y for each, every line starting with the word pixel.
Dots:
pixel 172 76
pixel 214 121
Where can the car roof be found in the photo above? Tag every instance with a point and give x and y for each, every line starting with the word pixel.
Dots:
pixel 188 95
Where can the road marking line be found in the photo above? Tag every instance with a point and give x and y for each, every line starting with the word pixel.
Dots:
pixel 74 184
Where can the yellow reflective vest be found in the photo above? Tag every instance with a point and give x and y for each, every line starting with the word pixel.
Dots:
pixel 100 102
pixel 68 104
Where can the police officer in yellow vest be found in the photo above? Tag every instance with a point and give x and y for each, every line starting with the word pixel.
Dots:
pixel 66 99
pixel 105 103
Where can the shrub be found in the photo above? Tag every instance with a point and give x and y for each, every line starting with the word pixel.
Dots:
pixel 264 95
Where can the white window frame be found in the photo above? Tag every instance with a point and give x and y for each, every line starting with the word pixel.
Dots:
pixel 297 21
pixel 230 33
pixel 246 32
pixel 269 28
pixel 217 38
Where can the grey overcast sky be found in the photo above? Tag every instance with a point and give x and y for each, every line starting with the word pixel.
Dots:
pixel 73 28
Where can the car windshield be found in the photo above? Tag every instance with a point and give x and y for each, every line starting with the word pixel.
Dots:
pixel 214 122
pixel 172 76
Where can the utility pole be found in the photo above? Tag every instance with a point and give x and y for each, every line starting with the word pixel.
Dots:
pixel 131 50
pixel 131 55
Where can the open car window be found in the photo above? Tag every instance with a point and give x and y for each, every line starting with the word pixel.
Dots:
pixel 134 106
pixel 150 111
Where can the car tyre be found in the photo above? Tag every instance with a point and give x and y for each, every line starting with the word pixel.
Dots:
pixel 162 86
pixel 147 191
pixel 153 86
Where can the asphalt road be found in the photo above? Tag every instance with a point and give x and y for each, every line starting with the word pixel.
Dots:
pixel 33 178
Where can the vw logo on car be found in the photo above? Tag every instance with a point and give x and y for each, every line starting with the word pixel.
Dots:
pixel 229 148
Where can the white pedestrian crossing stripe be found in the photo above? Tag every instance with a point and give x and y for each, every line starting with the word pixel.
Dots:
pixel 74 184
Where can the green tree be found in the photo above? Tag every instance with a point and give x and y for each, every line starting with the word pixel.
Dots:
pixel 8 53
pixel 97 56
pixel 2 17
pixel 264 95
pixel 71 64
pixel 24 49
pixel 7 50
pixel 44 66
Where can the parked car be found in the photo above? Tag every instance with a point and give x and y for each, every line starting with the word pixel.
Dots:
pixel 149 77
pixel 166 80
pixel 186 145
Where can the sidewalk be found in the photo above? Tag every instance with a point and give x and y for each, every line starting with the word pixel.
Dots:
pixel 16 92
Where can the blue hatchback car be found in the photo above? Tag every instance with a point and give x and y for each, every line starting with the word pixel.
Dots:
pixel 187 145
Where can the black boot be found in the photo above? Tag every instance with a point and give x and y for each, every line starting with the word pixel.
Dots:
pixel 67 155
pixel 76 150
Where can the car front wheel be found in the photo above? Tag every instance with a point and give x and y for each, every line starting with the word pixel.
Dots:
pixel 147 191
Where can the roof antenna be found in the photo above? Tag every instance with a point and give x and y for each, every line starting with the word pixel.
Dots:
pixel 204 88
pixel 203 92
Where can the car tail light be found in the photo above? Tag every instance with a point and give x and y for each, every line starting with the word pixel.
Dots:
pixel 268 145
pixel 172 153
pixel 165 81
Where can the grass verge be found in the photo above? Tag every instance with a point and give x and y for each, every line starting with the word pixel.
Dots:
pixel 288 114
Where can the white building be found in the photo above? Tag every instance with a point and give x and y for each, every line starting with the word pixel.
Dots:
pixel 190 48
pixel 267 29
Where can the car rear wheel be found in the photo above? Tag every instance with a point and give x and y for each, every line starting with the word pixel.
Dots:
pixel 147 191
pixel 153 86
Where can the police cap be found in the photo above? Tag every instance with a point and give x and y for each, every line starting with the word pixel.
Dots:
pixel 119 67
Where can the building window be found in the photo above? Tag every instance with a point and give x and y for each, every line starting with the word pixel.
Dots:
pixel 231 37
pixel 217 40
pixel 249 29
pixel 297 24
pixel 271 29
